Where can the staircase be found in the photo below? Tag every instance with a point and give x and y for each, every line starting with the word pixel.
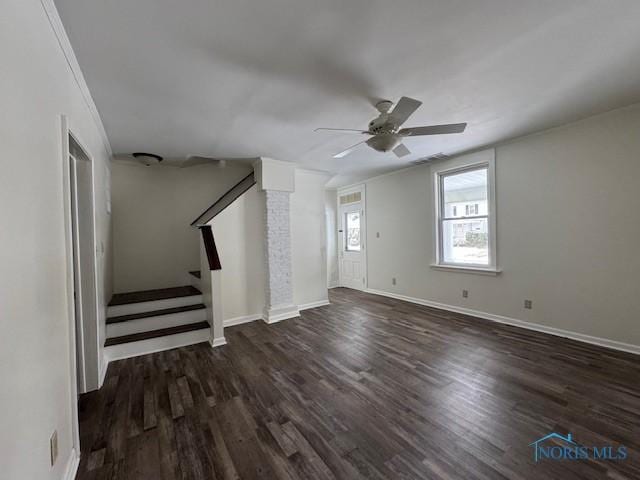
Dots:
pixel 153 320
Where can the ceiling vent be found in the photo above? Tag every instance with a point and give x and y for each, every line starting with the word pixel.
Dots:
pixel 420 161
pixel 439 156
pixel 432 158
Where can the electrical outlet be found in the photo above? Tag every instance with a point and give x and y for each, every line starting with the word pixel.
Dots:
pixel 393 281
pixel 528 304
pixel 465 293
pixel 53 447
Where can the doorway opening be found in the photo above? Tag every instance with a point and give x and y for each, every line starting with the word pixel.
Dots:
pixel 352 263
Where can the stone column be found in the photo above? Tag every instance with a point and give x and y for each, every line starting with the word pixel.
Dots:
pixel 276 180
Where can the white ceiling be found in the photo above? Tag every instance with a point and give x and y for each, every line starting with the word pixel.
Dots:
pixel 253 78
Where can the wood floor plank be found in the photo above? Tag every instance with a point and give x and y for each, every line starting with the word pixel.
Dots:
pixel 367 387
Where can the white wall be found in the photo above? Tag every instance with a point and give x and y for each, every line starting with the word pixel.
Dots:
pixel 239 234
pixel 331 216
pixel 37 86
pixel 566 238
pixel 153 207
pixel 308 238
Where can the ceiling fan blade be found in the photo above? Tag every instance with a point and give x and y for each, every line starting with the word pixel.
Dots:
pixel 401 150
pixel 193 160
pixel 353 130
pixel 433 130
pixel 346 152
pixel 404 109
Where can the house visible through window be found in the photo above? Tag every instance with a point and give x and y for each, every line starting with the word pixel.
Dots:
pixel 464 240
pixel 469 210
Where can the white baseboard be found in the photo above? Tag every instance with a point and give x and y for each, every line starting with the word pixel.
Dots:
pixel 319 303
pixel 218 342
pixel 72 465
pixel 230 322
pixel 279 313
pixel 580 337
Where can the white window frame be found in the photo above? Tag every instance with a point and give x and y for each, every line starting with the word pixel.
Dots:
pixel 484 159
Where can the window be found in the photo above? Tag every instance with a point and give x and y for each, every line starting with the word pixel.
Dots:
pixel 350 198
pixel 465 241
pixel 352 231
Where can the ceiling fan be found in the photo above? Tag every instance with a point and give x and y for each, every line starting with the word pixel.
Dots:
pixel 386 134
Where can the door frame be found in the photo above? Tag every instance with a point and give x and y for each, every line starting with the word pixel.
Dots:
pixel 363 231
pixel 74 341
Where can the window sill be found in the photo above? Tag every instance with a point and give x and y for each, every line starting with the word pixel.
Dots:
pixel 462 269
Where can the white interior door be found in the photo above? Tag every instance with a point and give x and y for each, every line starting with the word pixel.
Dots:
pixel 84 261
pixel 351 234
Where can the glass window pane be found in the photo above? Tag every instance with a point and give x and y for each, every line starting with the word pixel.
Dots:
pixel 352 221
pixel 465 193
pixel 466 241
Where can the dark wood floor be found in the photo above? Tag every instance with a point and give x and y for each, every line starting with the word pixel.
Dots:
pixel 368 387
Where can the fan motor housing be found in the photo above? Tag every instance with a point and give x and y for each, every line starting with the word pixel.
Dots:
pixel 382 124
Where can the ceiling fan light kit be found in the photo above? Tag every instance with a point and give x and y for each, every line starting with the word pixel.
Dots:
pixel 384 142
pixel 386 134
